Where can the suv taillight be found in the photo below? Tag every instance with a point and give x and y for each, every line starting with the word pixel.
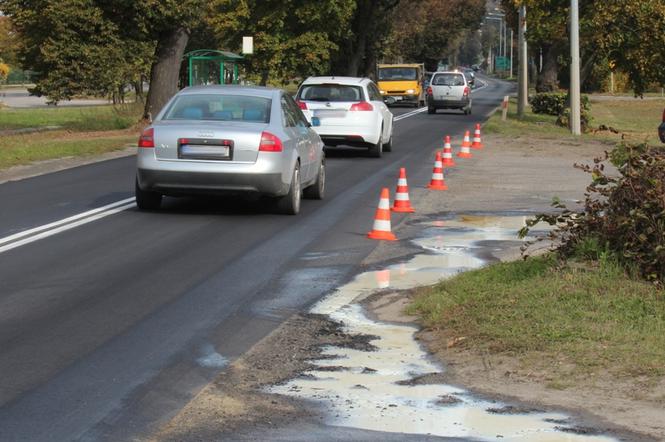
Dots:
pixel 270 143
pixel 429 90
pixel 147 138
pixel 466 90
pixel 362 106
pixel 302 104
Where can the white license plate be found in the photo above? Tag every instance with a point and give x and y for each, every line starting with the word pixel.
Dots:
pixel 330 113
pixel 205 152
pixel 399 98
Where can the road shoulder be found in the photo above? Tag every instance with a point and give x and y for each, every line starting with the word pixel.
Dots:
pixel 238 405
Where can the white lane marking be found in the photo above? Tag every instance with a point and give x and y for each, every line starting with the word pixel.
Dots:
pixel 32 235
pixel 479 88
pixel 409 114
pixel 63 221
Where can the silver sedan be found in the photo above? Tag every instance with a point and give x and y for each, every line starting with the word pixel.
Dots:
pixel 230 139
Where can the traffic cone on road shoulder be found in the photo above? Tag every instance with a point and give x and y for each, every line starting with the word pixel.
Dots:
pixel 402 202
pixel 465 151
pixel 381 229
pixel 477 142
pixel 447 157
pixel 437 182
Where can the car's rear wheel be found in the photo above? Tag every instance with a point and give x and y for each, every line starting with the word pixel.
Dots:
pixel 145 199
pixel 317 190
pixel 388 147
pixel 376 150
pixel 289 204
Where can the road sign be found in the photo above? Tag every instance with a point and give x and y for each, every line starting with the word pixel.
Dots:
pixel 502 63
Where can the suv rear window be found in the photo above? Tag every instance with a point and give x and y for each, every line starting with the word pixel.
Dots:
pixel 448 80
pixel 330 92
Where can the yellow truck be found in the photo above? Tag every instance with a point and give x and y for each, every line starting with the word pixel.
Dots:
pixel 403 82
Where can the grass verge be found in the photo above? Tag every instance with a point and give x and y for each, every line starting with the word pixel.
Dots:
pixel 24 149
pixel 585 317
pixel 80 119
pixel 636 120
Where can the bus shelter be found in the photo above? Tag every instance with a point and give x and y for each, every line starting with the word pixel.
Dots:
pixel 210 66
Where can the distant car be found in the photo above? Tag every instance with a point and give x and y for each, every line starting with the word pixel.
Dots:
pixel 475 67
pixel 230 139
pixel 427 77
pixel 661 129
pixel 470 76
pixel 449 90
pixel 348 111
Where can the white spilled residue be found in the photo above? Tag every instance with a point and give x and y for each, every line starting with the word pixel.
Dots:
pixel 210 358
pixel 367 390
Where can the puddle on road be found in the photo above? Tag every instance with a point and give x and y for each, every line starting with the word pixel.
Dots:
pixel 371 389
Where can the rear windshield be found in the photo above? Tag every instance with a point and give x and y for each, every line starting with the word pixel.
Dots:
pixel 218 107
pixel 448 80
pixel 330 92
pixel 398 74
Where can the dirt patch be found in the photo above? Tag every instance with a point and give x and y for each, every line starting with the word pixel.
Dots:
pixel 236 400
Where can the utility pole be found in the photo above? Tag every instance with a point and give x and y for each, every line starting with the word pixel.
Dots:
pixel 575 123
pixel 500 37
pixel 523 70
pixel 511 53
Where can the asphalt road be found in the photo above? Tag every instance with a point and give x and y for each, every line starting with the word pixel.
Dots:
pixel 108 327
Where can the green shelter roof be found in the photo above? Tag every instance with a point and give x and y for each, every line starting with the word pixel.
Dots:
pixel 214 53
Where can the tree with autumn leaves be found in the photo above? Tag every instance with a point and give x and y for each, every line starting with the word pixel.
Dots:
pixel 625 35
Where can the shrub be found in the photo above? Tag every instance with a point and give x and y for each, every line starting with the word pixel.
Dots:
pixel 564 119
pixel 549 103
pixel 4 72
pixel 623 215
pixel 557 104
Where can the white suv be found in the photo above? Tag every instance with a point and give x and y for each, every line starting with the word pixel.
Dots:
pixel 347 111
pixel 449 90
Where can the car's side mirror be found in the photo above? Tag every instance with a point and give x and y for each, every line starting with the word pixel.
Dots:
pixel 389 100
pixel 315 122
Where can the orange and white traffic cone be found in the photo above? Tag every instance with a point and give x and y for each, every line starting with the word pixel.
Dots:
pixel 381 229
pixel 402 202
pixel 437 182
pixel 477 142
pixel 447 156
pixel 465 151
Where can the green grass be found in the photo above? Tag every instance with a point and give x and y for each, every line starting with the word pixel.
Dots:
pixel 638 120
pixel 79 119
pixel 530 124
pixel 24 149
pixel 590 316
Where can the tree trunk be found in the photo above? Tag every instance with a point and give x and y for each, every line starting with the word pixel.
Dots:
pixel 548 80
pixel 357 56
pixel 264 77
pixel 165 69
pixel 587 68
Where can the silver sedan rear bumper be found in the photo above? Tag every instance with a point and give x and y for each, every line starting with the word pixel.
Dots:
pixel 179 177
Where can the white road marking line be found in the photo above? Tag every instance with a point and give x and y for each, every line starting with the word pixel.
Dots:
pixel 13 241
pixel 409 114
